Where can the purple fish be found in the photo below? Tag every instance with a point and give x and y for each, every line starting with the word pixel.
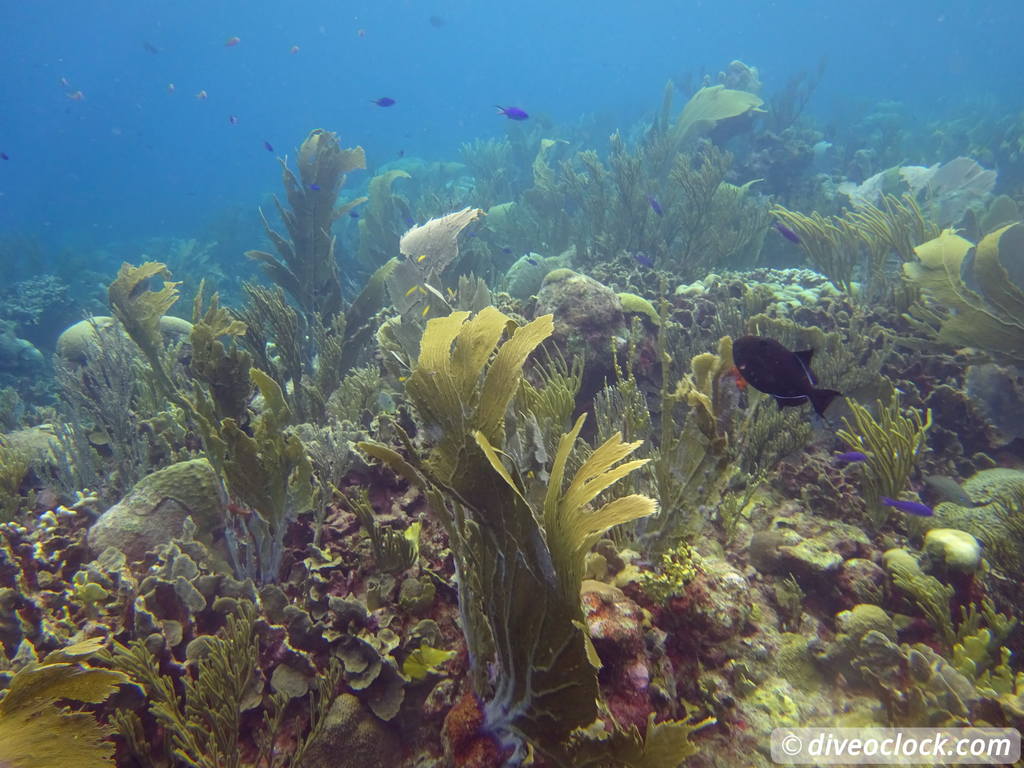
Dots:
pixel 409 222
pixel 512 113
pixel 353 214
pixel 268 146
pixel 655 205
pixel 849 457
pixel 531 260
pixel 383 101
pixel 315 187
pixel 787 233
pixel 4 156
pixel 910 507
pixel 643 259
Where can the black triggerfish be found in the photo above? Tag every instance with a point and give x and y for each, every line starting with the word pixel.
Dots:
pixel 787 376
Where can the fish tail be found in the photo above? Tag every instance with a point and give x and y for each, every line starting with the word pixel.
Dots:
pixel 820 399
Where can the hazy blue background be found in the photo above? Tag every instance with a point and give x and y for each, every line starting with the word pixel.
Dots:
pixel 132 159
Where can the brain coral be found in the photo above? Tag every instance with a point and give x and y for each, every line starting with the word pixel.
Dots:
pixel 997 521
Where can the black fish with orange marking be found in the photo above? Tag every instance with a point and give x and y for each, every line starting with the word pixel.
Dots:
pixel 787 376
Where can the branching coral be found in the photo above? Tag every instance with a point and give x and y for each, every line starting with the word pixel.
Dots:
pixel 891 444
pixel 860 242
pixel 705 222
pixel 204 729
pixel 307 268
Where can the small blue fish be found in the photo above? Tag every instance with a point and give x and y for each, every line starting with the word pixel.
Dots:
pixel 233 119
pixel 787 233
pixel 643 259
pixel 512 113
pixel 4 156
pixel 409 221
pixel 268 146
pixel 910 507
pixel 383 101
pixel 507 251
pixel 849 457
pixel 315 187
pixel 353 214
pixel 655 205
pixel 531 260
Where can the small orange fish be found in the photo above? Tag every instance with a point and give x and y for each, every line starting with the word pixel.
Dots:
pixel 202 95
pixel 231 42
pixel 170 87
pixel 294 49
pixel 76 96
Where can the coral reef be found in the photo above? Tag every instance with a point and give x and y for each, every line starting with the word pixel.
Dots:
pixel 359 513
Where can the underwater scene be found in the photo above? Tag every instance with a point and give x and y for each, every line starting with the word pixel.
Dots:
pixel 436 383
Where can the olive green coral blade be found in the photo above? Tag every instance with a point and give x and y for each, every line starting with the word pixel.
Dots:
pixel 473 347
pixel 504 374
pixel 668 743
pixel 589 526
pixel 138 308
pixel 431 386
pixel 436 345
pixel 76 651
pixel 997 325
pixel 53 739
pixel 557 475
pixel 495 461
pixel 37 687
pixel 597 472
pixel 276 413
pixel 1005 245
pixel 394 460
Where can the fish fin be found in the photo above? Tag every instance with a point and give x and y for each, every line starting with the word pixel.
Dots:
pixel 820 399
pixel 804 357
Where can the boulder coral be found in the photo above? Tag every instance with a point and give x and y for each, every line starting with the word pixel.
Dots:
pixel 154 511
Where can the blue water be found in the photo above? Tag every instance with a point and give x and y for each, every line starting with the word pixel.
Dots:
pixel 132 159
